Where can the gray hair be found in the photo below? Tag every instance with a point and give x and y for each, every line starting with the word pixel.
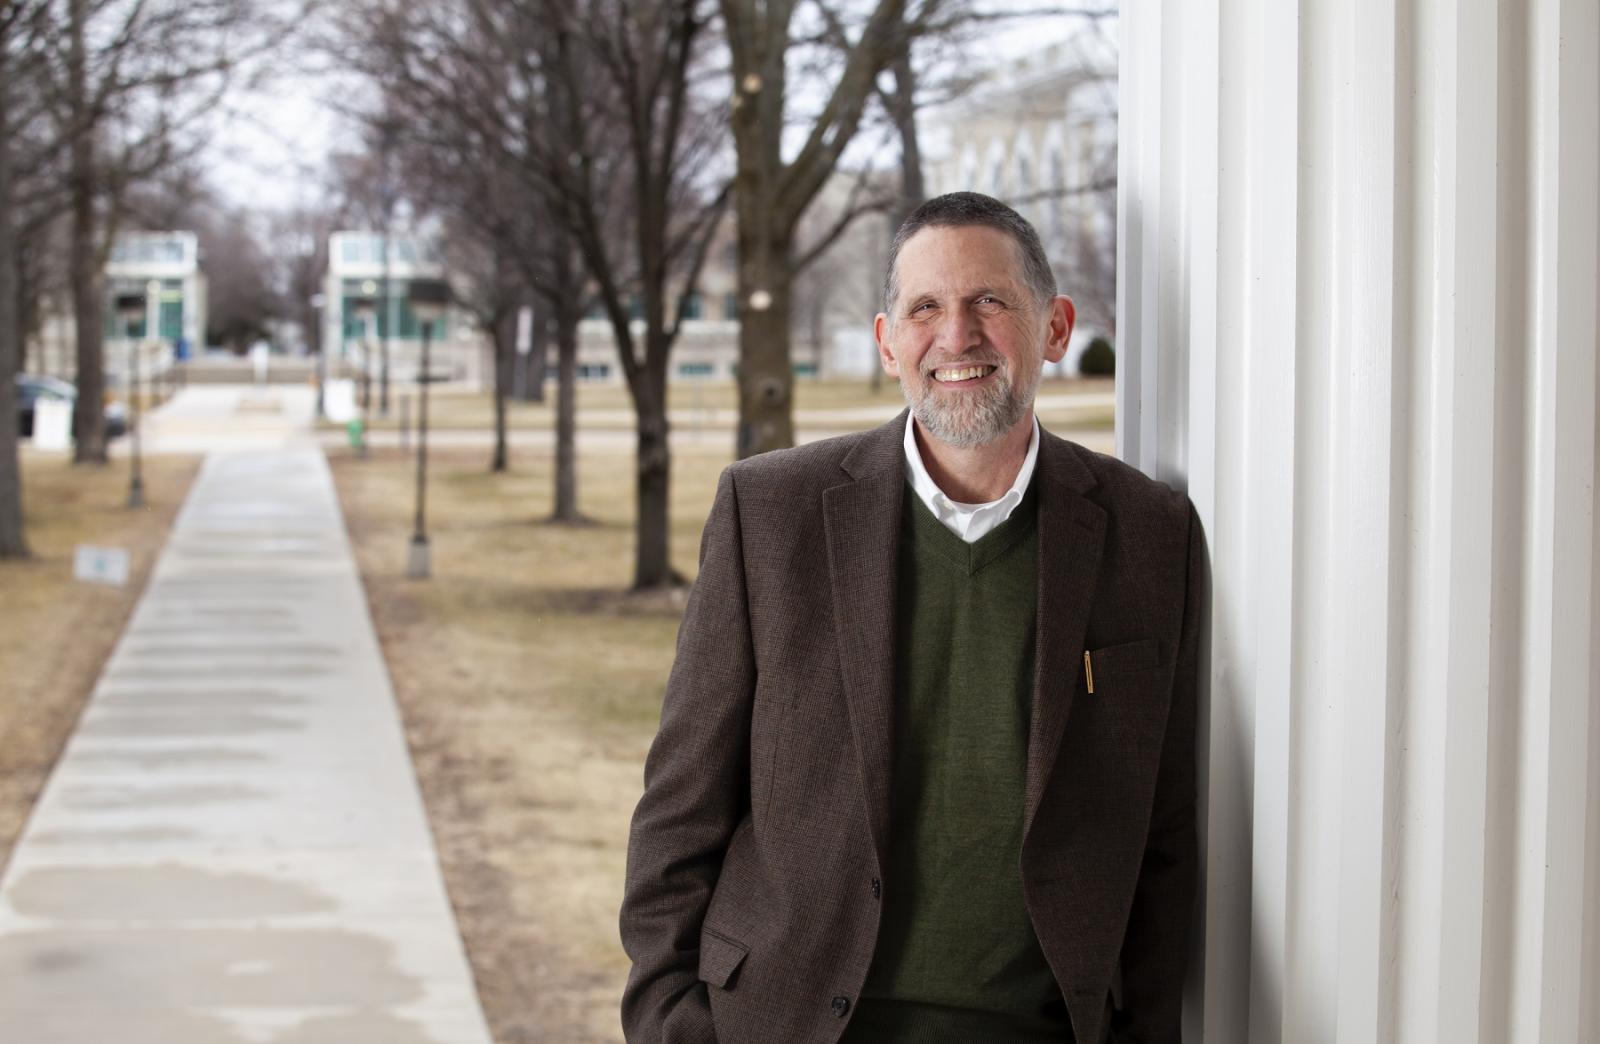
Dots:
pixel 964 209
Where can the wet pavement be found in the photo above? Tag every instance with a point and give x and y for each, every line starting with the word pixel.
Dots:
pixel 233 847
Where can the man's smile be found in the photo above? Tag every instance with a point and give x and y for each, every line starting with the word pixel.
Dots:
pixel 962 374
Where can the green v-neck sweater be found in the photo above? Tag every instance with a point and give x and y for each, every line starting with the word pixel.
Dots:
pixel 957 958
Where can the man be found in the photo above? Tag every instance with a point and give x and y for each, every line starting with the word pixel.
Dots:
pixel 925 770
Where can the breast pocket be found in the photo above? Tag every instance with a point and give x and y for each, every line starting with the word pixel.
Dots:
pixel 1123 700
pixel 1114 661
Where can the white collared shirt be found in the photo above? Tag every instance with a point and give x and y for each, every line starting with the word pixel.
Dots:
pixel 967 521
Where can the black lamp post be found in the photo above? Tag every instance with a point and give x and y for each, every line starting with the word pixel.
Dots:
pixel 429 298
pixel 130 307
pixel 364 307
pixel 315 337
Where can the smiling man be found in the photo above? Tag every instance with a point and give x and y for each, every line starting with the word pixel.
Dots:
pixel 925 770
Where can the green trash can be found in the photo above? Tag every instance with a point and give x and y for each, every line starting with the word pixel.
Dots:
pixel 356 432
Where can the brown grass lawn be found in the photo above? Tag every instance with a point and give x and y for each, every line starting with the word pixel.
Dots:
pixel 530 688
pixel 713 403
pixel 55 632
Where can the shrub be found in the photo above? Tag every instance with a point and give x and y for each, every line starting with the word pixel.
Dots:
pixel 1098 360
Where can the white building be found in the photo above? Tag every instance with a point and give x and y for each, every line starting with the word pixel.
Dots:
pixel 162 267
pixel 707 347
pixel 169 263
pixel 359 267
pixel 1041 134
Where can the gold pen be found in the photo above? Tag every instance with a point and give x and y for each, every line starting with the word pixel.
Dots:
pixel 1088 671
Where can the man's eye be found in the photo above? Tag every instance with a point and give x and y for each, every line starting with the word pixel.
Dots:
pixel 990 303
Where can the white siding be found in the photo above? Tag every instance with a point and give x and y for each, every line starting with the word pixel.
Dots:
pixel 1360 259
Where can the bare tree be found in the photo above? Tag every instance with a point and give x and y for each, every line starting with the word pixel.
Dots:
pixel 493 293
pixel 594 104
pixel 467 155
pixel 14 16
pixel 643 58
pixel 124 81
pixel 241 301
pixel 772 193
pixel 873 57
pixel 299 256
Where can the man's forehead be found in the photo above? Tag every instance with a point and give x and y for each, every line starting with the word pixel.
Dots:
pixel 959 260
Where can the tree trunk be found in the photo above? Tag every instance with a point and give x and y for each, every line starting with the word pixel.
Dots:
pixel 88 300
pixel 766 378
pixel 12 542
pixel 25 318
pixel 505 361
pixel 653 558
pixel 566 506
pixel 904 112
pixel 534 363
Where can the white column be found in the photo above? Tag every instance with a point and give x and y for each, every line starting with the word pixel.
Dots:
pixel 1360 261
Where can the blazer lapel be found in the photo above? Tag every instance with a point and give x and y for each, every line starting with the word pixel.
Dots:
pixel 862 520
pixel 1071 535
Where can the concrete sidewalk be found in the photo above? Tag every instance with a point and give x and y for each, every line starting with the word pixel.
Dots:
pixel 233 847
pixel 205 419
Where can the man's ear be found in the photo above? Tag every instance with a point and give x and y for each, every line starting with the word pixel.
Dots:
pixel 1063 316
pixel 880 331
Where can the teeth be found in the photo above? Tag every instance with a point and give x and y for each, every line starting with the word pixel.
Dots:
pixel 961 375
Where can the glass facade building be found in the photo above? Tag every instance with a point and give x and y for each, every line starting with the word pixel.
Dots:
pixel 371 271
pixel 164 268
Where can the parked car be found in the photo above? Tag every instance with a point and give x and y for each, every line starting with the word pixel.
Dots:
pixel 32 387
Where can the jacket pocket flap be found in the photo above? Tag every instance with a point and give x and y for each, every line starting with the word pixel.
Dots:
pixel 719 959
pixel 1129 656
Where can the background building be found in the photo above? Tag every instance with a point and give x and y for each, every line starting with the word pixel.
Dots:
pixel 708 345
pixel 178 310
pixel 360 267
pixel 1041 134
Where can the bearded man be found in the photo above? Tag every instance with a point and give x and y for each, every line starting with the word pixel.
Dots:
pixel 925 770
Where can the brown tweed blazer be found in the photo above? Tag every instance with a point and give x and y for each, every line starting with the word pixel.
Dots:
pixel 755 860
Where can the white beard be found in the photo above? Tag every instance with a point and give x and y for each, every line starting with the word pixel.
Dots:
pixel 966 419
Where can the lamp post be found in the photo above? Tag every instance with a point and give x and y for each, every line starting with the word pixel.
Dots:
pixel 428 298
pixel 316 302
pixel 365 308
pixel 130 307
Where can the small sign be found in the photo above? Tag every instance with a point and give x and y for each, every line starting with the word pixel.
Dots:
pixel 524 330
pixel 101 565
pixel 260 360
pixel 339 400
pixel 52 424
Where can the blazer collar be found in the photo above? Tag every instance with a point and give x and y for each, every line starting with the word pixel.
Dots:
pixel 862 522
pixel 861 517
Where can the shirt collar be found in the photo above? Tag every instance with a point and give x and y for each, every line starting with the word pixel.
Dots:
pixel 942 506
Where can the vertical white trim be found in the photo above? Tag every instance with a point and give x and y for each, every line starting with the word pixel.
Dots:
pixel 1358 260
pixel 1270 165
pixel 1320 338
pixel 1365 357
pixel 1221 813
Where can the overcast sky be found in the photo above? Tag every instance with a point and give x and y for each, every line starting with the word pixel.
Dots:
pixel 270 144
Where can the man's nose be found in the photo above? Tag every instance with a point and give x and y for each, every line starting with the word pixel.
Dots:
pixel 959 328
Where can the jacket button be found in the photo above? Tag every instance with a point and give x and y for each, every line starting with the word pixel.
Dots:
pixel 877 888
pixel 841 1006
